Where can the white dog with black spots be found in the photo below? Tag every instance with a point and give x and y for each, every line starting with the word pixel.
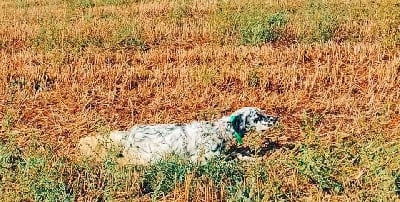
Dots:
pixel 198 140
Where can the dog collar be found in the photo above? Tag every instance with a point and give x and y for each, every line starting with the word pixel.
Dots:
pixel 235 133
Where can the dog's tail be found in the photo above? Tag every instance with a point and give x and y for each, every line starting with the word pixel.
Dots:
pixel 98 146
pixel 117 136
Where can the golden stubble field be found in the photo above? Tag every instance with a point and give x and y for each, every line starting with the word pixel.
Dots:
pixel 71 69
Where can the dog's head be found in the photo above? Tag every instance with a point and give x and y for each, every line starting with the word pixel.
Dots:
pixel 250 118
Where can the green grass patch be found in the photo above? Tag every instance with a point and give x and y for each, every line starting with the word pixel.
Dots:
pixel 129 36
pixel 256 28
pixel 48 38
pixel 163 176
pixel 32 177
pixel 181 9
pixel 319 22
pixel 320 168
pixel 221 172
pixel 368 169
pixel 250 26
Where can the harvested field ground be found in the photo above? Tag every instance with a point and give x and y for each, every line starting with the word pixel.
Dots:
pixel 75 68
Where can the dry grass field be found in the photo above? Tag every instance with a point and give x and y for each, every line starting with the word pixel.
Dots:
pixel 75 68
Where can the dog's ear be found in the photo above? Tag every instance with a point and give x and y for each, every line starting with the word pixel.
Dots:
pixel 239 124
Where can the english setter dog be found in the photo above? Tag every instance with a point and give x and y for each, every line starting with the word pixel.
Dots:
pixel 198 141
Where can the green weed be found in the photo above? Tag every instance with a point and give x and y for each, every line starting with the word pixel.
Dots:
pixel 252 26
pixel 163 176
pixel 379 158
pixel 130 36
pixel 309 126
pixel 82 42
pixel 320 24
pixel 320 168
pixel 257 28
pixel 36 178
pixel 206 76
pixel 325 28
pixel 180 10
pixel 47 38
pixel 44 182
pixel 222 172
pixel 252 186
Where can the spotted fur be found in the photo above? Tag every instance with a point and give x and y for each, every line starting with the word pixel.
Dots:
pixel 198 141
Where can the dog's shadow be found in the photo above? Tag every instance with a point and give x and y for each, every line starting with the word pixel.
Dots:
pixel 267 147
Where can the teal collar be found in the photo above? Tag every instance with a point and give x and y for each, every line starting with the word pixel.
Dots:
pixel 235 133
